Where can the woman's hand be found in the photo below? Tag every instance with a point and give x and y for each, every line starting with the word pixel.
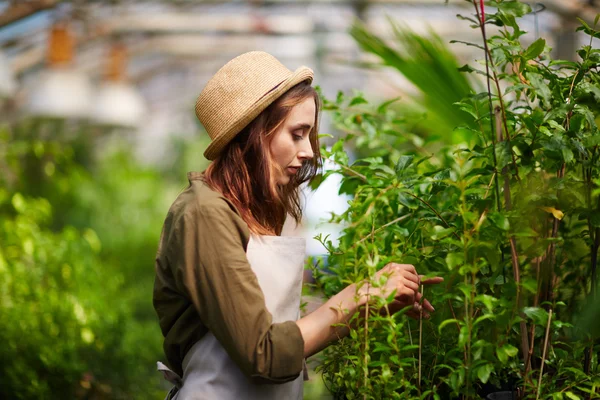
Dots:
pixel 331 321
pixel 402 278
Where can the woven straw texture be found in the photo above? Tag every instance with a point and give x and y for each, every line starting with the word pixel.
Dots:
pixel 239 92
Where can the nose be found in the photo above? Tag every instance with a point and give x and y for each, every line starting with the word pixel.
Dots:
pixel 306 151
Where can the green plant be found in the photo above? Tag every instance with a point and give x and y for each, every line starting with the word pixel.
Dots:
pixel 433 69
pixel 60 334
pixel 78 236
pixel 511 221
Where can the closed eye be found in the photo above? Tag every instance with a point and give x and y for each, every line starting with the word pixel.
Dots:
pixel 298 135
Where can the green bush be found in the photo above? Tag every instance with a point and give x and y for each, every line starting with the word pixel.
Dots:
pixel 509 219
pixel 79 230
pixel 62 322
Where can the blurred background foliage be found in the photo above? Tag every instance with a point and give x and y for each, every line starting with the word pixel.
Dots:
pixel 79 233
pixel 429 64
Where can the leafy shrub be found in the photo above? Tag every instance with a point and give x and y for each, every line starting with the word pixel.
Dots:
pixel 78 240
pixel 509 219
pixel 61 334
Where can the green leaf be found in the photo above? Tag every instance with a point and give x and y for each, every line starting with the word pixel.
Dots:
pixel 384 106
pixel 587 29
pixel 514 8
pixel 587 87
pixel 537 314
pixel 18 202
pixel 403 163
pixel 505 352
pixel 358 100
pixel 510 350
pixel 541 88
pixel 572 395
pixel 487 300
pixel 454 260
pixel 499 220
pixel 439 232
pixel 535 49
pixel 483 372
pixel 484 317
pixel 567 154
pixel 503 154
pixel 463 336
pixel 529 284
pixel 468 44
pixel 447 322
pixel 408 201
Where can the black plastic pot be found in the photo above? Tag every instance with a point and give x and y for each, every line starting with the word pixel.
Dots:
pixel 506 395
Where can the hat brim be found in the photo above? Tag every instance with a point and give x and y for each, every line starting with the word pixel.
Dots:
pixel 220 142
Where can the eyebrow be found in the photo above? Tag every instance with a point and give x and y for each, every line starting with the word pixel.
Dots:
pixel 302 125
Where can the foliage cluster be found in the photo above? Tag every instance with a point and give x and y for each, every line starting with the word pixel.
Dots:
pixel 510 217
pixel 78 235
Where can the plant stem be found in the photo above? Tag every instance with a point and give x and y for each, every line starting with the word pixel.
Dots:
pixel 489 93
pixel 350 170
pixel 488 61
pixel 548 278
pixel 420 337
pixel 366 349
pixel 457 325
pixel 435 211
pixel 532 341
pixel 382 227
pixel 514 257
pixel 544 353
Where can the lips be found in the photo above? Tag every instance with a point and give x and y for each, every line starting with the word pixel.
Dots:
pixel 293 170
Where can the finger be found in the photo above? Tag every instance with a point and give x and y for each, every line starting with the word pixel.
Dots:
pixel 411 285
pixel 427 305
pixel 409 275
pixel 387 268
pixel 432 281
pixel 406 267
pixel 417 307
pixel 406 296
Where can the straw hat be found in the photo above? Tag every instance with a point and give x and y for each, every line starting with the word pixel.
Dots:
pixel 241 90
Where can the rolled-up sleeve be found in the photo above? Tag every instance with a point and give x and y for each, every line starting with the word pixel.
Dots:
pixel 208 251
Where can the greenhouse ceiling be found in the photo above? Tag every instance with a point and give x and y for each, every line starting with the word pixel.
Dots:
pixel 173 46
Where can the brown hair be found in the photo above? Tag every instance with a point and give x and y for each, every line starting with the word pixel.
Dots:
pixel 243 172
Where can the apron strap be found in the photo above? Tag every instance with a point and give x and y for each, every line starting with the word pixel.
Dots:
pixel 171 377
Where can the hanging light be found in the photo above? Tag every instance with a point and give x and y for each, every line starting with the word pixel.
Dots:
pixel 61 91
pixel 8 83
pixel 118 103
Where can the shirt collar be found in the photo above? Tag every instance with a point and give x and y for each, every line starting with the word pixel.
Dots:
pixel 194 176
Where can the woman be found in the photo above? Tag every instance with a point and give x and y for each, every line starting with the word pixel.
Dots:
pixel 227 289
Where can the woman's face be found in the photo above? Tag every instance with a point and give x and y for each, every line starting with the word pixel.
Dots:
pixel 290 145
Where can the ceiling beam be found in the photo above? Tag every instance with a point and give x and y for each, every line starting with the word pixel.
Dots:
pixel 23 9
pixel 214 23
pixel 572 9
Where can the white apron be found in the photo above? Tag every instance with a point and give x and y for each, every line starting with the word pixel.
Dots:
pixel 208 372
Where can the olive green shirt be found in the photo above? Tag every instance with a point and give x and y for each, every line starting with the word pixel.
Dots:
pixel 205 283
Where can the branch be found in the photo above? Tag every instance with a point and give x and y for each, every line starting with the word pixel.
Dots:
pixel 544 354
pixel 436 213
pixel 488 60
